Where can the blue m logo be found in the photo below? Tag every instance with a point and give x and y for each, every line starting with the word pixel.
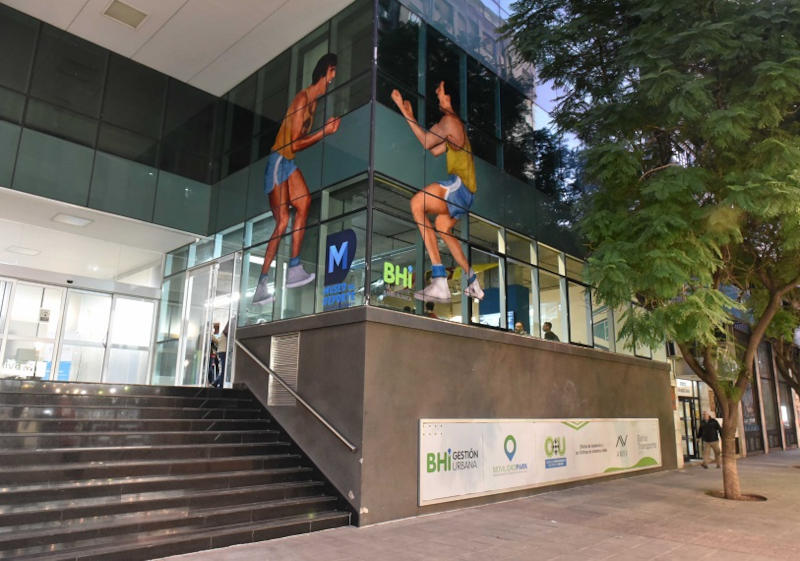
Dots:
pixel 339 254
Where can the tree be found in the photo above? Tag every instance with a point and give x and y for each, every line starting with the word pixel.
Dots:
pixel 689 113
pixel 781 335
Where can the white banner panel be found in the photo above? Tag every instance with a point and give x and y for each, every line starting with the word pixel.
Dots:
pixel 461 458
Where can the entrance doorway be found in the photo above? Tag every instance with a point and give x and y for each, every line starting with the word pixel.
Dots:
pixel 689 409
pixel 209 306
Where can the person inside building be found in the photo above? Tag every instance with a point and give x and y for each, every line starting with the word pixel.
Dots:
pixel 429 310
pixel 547 327
pixel 284 184
pixel 709 432
pixel 222 354
pixel 446 200
pixel 519 329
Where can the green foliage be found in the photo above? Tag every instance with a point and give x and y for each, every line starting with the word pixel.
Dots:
pixel 689 111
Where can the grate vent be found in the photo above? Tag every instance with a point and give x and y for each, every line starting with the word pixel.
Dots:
pixel 125 13
pixel 284 355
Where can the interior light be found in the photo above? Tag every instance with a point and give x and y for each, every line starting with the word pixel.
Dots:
pixel 22 250
pixel 71 220
pixel 125 13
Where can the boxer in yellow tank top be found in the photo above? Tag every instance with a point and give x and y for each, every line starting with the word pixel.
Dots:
pixel 447 200
pixel 284 184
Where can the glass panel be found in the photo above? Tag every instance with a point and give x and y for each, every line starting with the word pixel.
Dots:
pixel 69 71
pixel 579 317
pixel 169 322
pixel 80 363
pixel 5 298
pixel 53 168
pixel 483 233
pixel 342 260
pixel 308 51
pixel 9 140
pixel 123 187
pixel 27 358
pixel 232 240
pixel 520 300
pixel 551 310
pixel 491 310
pixel 659 352
pixel 166 362
pixel 549 258
pixel 132 324
pixel 443 65
pixel 127 144
pixel 271 107
pixel 127 366
pixel 61 122
pixel 17 43
pixel 35 311
pixel 196 328
pixel 12 105
pixel 601 327
pixel 481 93
pixel 575 268
pixel 188 127
pixel 516 132
pixel 764 358
pixel 177 260
pixel 394 261
pixel 134 97
pixel 182 203
pixel 346 152
pixel 519 247
pixel 398 42
pixel 351 40
pixel 623 344
pixel 787 407
pixel 87 317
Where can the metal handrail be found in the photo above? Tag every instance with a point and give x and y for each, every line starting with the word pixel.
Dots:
pixel 302 401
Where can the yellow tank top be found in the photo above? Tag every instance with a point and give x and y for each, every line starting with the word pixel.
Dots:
pixel 460 163
pixel 283 141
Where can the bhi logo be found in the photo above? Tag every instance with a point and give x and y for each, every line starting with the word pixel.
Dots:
pixel 339 254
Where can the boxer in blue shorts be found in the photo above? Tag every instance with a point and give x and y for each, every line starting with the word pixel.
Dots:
pixel 447 200
pixel 284 184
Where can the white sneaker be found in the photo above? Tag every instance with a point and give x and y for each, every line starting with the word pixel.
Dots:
pixel 297 276
pixel 436 291
pixel 474 290
pixel 261 295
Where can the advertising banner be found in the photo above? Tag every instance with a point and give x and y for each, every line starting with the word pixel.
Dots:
pixel 470 457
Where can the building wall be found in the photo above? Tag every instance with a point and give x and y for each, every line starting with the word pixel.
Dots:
pixel 394 368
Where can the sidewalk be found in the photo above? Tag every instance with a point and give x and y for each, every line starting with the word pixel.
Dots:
pixel 662 516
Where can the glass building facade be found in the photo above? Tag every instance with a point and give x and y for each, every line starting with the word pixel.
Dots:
pixel 86 126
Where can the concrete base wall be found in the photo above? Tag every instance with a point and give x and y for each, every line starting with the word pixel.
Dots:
pixel 374 373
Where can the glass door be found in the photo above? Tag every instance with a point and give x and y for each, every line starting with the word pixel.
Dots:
pixel 197 329
pixel 31 315
pixel 128 355
pixel 689 414
pixel 223 320
pixel 83 345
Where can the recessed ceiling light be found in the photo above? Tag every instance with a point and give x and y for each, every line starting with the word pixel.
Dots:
pixel 125 13
pixel 22 250
pixel 71 220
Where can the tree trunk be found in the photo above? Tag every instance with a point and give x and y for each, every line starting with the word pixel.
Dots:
pixel 730 469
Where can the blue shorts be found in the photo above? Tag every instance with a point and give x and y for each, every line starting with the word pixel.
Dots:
pixel 459 198
pixel 278 170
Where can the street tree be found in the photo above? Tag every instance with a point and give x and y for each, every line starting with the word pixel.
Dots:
pixel 688 110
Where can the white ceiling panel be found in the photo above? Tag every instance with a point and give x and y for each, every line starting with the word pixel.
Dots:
pixel 265 41
pixel 59 13
pixel 199 32
pixel 93 25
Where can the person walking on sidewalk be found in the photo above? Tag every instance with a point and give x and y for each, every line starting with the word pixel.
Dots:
pixel 709 431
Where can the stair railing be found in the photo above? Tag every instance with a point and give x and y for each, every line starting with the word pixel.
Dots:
pixel 299 399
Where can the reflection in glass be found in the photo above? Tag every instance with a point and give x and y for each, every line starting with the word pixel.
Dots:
pixel 80 363
pixel 35 311
pixel 551 305
pixel 602 332
pixel 87 317
pixel 491 310
pixel 521 300
pixel 580 326
pixel 394 262
pixel 398 43
pixel 550 259
pixel 624 344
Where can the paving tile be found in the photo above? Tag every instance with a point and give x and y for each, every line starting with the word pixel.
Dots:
pixel 663 516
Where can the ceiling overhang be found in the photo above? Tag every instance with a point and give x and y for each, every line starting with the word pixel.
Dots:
pixel 210 44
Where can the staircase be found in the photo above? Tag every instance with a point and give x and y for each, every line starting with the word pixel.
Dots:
pixel 94 471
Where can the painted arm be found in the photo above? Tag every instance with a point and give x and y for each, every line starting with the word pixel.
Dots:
pixel 432 140
pixel 302 141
